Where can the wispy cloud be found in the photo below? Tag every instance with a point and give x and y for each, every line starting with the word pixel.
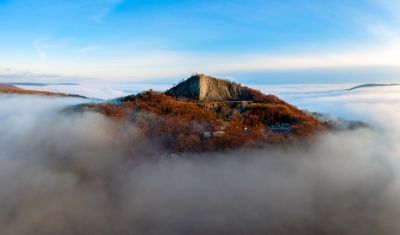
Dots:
pixel 104 8
pixel 104 56
pixel 166 64
pixel 393 6
pixel 43 45
pixel 39 48
pixel 88 49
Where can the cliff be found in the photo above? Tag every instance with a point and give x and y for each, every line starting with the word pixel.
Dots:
pixel 205 88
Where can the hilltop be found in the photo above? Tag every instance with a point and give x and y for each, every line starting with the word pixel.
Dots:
pixel 205 88
pixel 209 114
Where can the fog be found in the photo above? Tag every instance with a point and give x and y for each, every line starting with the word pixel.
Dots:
pixel 63 173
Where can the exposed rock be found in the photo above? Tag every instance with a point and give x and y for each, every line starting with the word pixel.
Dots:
pixel 205 88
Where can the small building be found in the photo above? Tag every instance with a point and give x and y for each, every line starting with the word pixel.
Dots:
pixel 280 128
pixel 218 133
pixel 209 134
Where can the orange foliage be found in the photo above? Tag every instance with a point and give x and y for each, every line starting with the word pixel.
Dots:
pixel 181 126
pixel 115 112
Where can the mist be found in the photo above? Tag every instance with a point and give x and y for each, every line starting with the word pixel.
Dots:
pixel 80 173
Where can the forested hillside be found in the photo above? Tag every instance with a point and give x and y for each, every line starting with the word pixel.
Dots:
pixel 190 125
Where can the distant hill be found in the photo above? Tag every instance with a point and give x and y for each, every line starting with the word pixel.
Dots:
pixel 11 89
pixel 43 84
pixel 7 86
pixel 372 85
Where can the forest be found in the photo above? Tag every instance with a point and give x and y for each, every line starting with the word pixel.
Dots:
pixel 182 125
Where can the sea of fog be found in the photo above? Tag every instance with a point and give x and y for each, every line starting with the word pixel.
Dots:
pixel 332 99
pixel 68 174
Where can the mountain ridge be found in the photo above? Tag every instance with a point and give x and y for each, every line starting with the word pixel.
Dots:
pixel 368 85
pixel 12 89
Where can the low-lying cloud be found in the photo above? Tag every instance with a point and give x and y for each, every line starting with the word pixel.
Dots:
pixel 63 173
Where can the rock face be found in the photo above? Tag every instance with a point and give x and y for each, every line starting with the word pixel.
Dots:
pixel 205 88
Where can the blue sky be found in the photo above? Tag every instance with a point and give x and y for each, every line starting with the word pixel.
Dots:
pixel 136 40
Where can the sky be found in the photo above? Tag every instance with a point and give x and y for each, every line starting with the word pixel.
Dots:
pixel 165 40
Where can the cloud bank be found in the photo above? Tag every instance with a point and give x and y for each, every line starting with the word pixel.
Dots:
pixel 63 173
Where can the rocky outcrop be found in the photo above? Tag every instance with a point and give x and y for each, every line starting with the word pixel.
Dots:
pixel 205 88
